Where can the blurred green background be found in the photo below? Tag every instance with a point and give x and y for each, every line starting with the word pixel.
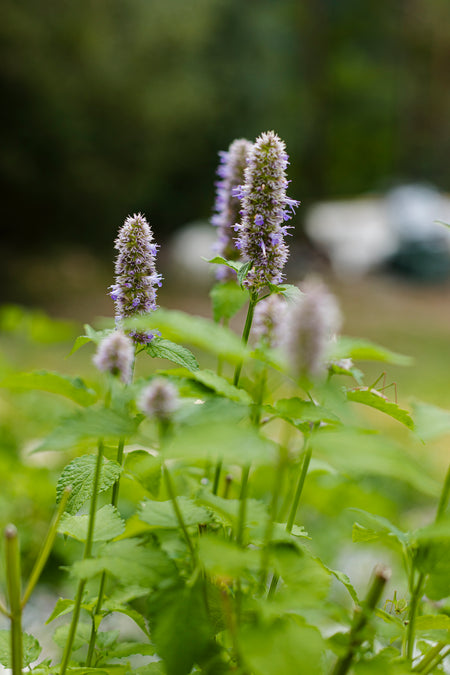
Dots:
pixel 121 105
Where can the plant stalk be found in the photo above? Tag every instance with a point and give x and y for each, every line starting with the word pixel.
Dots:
pixel 14 592
pixel 307 452
pixel 246 333
pixel 87 554
pixel 179 515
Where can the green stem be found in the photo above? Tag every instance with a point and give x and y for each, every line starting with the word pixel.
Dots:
pixel 4 611
pixel 307 452
pixel 361 619
pixel 87 554
pixel 101 590
pixel 246 333
pixel 14 593
pixel 433 665
pixel 179 515
pixel 445 495
pixel 414 604
pixel 242 505
pixel 46 548
pixel 429 657
pixel 217 473
pixel 265 555
pixel 260 397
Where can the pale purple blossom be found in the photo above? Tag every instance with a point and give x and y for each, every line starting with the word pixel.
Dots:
pixel 159 399
pixel 265 209
pixel 227 205
pixel 136 277
pixel 314 321
pixel 115 355
pixel 269 320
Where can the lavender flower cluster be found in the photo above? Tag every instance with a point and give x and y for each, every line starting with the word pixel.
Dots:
pixel 227 206
pixel 115 355
pixel 265 210
pixel 136 277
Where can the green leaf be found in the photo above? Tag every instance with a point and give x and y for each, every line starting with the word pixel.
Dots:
pixel 124 649
pixel 289 291
pixel 360 453
pixel 132 614
pixel 79 342
pixel 165 349
pixel 31 649
pixel 227 299
pixel 182 630
pixel 243 271
pixel 162 514
pixel 87 425
pixel 43 380
pixel 226 558
pixel 433 622
pixel 218 260
pixel 431 421
pixel 63 606
pixel 154 668
pixel 195 330
pixel 145 468
pixel 108 525
pixel 81 637
pixel 227 510
pixel 96 335
pixel 129 562
pixel 376 528
pixel 345 581
pixel 442 222
pixel 79 475
pixel 299 412
pixel 233 444
pixel 221 386
pixel 374 399
pixel 364 350
pixel 285 645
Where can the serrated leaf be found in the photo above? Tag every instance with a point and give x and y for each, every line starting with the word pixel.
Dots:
pixel 145 468
pixel 431 421
pixel 63 606
pixel 227 299
pixel 243 271
pixel 374 399
pixel 87 425
pixel 433 622
pixel 108 525
pixel 227 510
pixel 162 514
pixel 195 330
pixel 72 388
pixel 154 668
pixel 377 527
pixel 80 341
pixel 165 349
pixel 221 441
pixel 226 558
pixel 96 335
pixel 31 649
pixel 364 350
pixel 220 385
pixel 79 475
pixel 82 635
pixel 129 562
pixel 345 581
pixel 132 614
pixel 290 292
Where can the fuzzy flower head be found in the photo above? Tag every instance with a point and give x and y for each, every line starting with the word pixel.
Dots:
pixel 227 206
pixel 314 321
pixel 159 399
pixel 115 355
pixel 136 277
pixel 269 320
pixel 265 209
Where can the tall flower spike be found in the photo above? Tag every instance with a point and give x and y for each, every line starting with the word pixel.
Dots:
pixel 265 209
pixel 115 355
pixel 314 321
pixel 227 206
pixel 269 320
pixel 136 277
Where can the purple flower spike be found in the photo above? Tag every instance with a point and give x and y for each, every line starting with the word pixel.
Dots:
pixel 115 355
pixel 227 204
pixel 265 207
pixel 136 277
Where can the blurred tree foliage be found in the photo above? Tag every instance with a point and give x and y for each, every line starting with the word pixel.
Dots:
pixel 113 106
